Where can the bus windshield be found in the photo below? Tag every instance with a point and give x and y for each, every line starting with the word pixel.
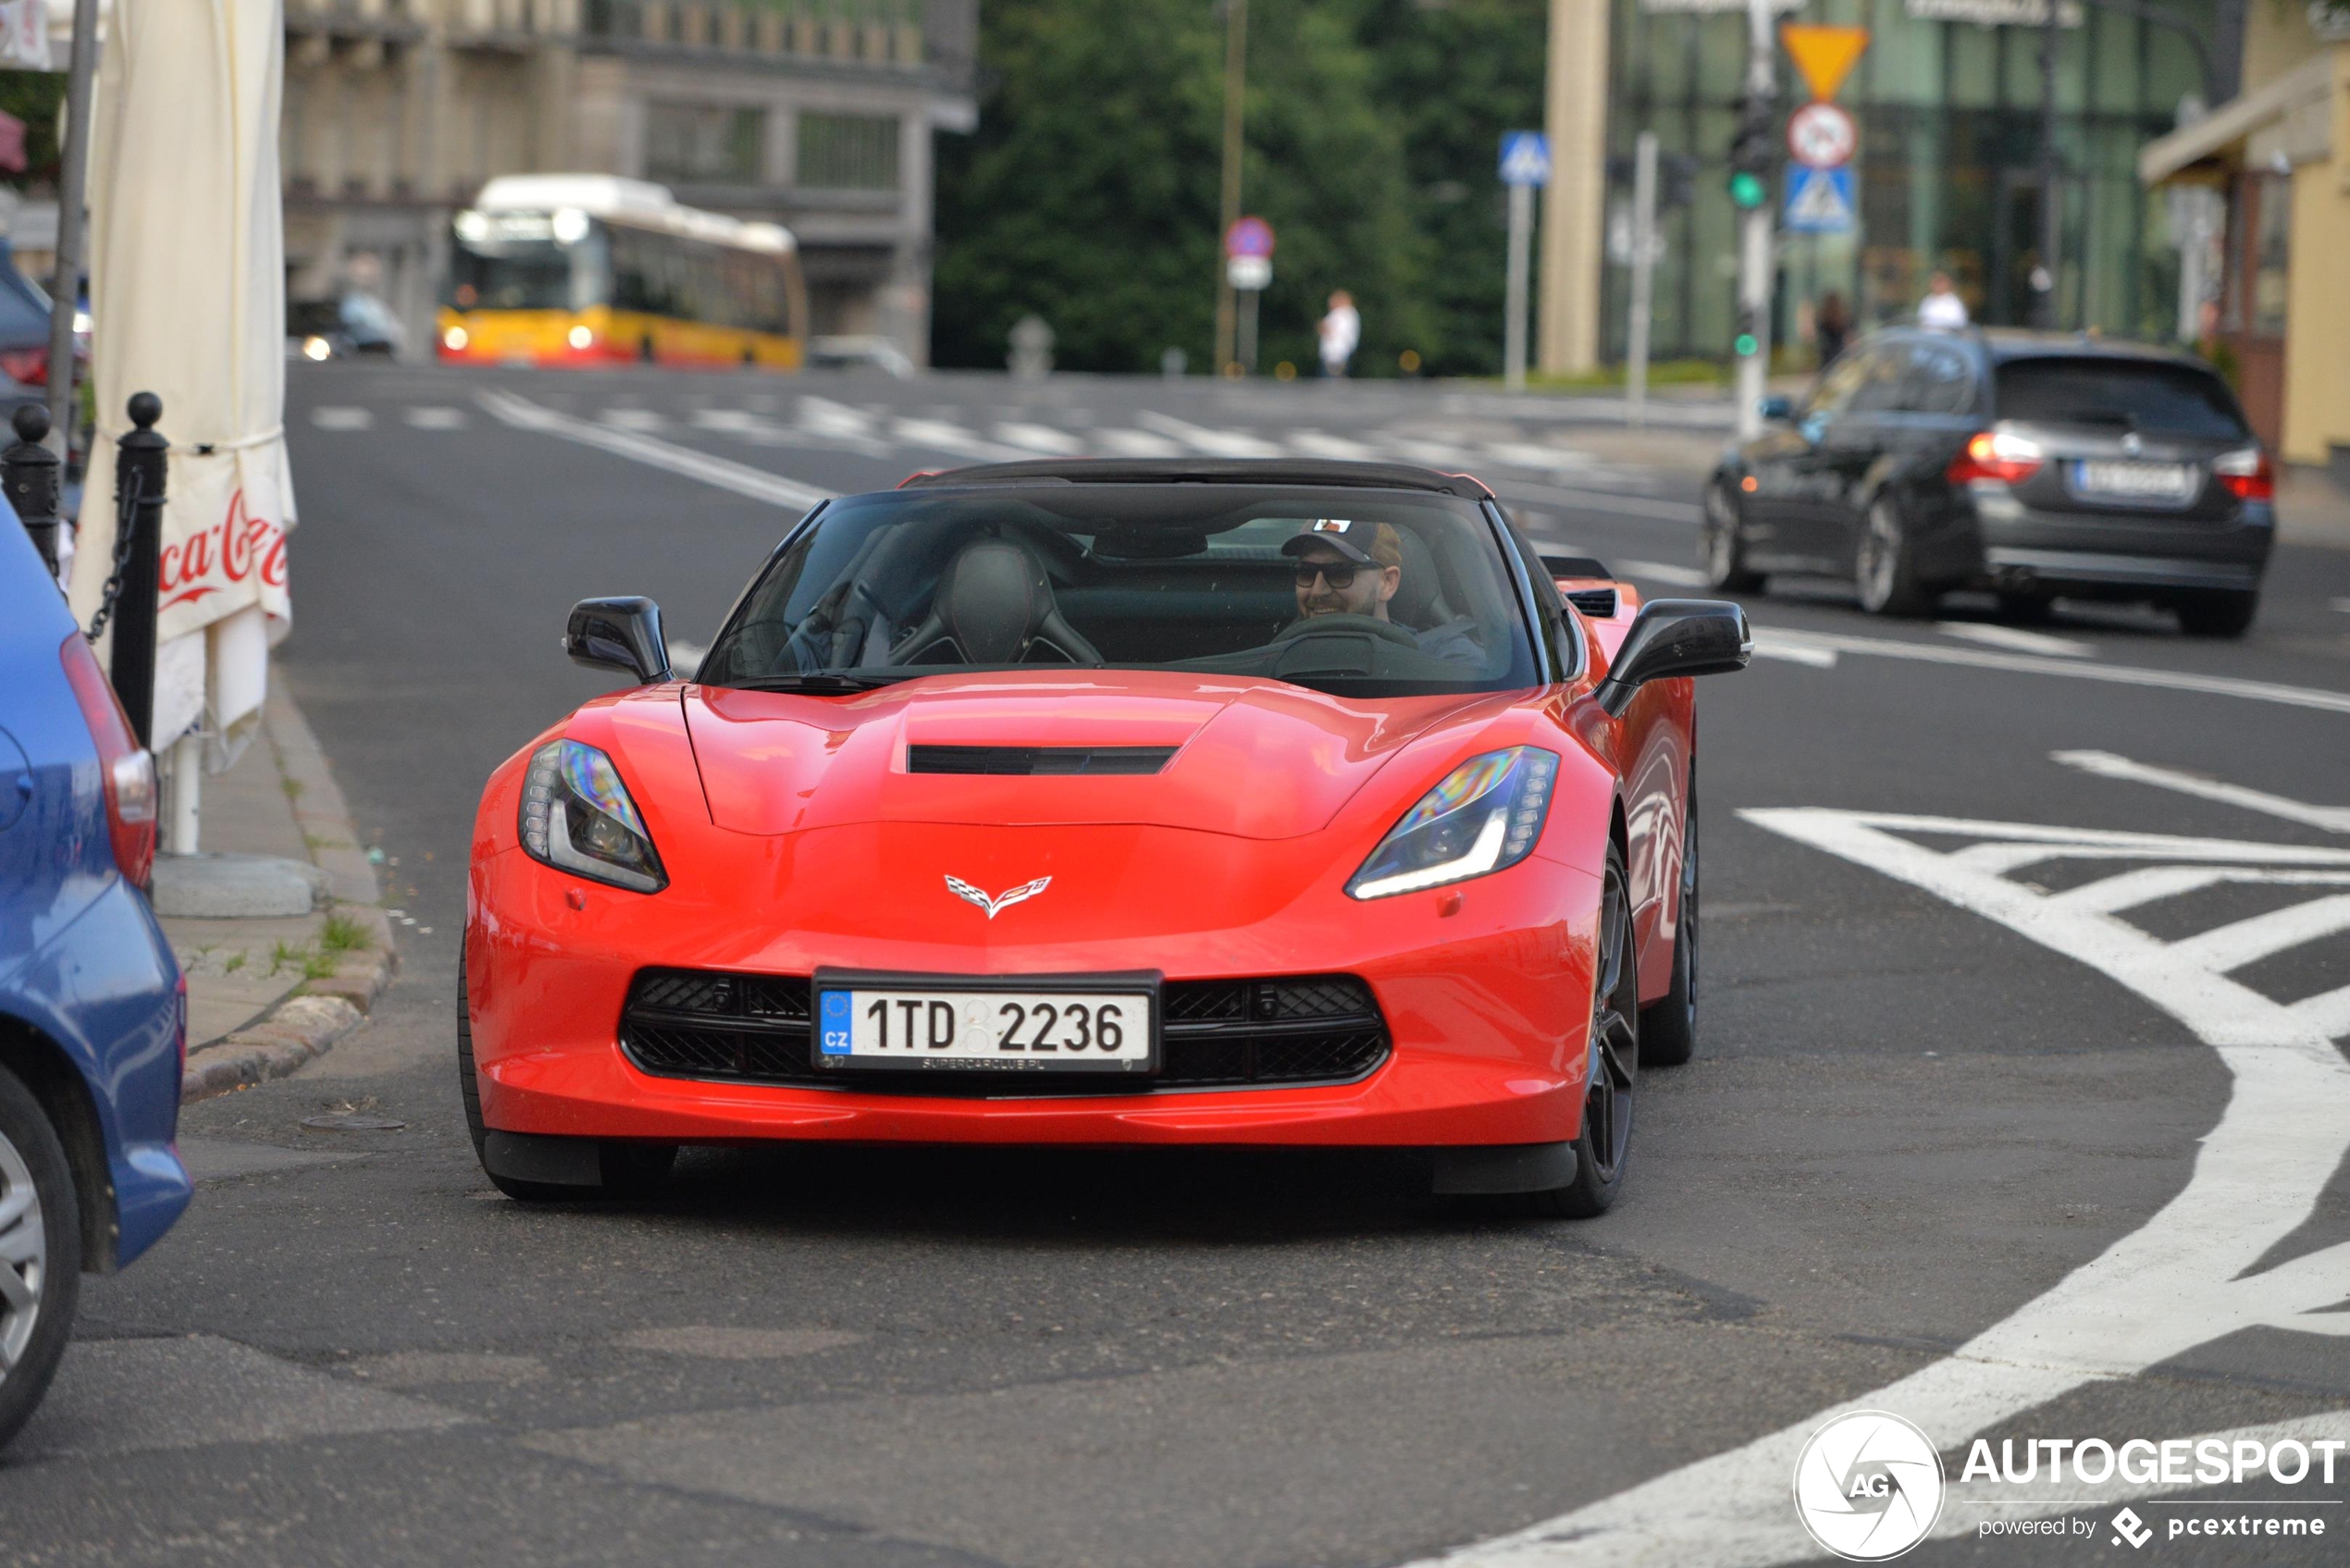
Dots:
pixel 523 275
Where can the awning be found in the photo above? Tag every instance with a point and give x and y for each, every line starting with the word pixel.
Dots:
pixel 2304 92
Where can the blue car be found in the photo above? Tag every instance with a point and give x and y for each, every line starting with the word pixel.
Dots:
pixel 93 1008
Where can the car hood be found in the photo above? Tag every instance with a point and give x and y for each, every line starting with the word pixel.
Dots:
pixel 1254 759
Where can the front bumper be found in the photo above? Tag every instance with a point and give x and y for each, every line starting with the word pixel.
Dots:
pixel 1487 1009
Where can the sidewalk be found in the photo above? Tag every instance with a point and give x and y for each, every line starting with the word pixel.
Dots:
pixel 279 926
pixel 2312 508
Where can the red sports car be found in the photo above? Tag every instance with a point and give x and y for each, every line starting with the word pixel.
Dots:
pixel 1093 803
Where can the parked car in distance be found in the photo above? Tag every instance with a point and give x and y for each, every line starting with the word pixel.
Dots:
pixel 93 1008
pixel 2037 465
pixel 353 323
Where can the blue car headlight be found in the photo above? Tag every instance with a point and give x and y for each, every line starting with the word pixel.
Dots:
pixel 577 817
pixel 1484 816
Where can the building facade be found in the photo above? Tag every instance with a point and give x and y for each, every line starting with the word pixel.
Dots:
pixel 815 114
pixel 1947 178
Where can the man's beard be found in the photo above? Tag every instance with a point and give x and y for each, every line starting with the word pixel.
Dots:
pixel 1326 604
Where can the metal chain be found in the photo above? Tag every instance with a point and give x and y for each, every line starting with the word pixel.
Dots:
pixel 127 514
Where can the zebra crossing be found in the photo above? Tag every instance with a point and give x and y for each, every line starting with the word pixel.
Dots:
pixel 813 422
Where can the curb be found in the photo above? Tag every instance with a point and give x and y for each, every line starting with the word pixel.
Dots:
pixel 318 1012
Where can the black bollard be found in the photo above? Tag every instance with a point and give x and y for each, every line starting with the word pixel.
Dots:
pixel 139 471
pixel 30 476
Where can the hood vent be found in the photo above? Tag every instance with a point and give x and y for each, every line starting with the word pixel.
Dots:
pixel 1597 604
pixel 1037 759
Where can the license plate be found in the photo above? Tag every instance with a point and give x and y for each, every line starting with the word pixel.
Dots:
pixel 2135 481
pixel 1092 1024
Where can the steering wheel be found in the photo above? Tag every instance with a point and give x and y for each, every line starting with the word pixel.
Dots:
pixel 1337 625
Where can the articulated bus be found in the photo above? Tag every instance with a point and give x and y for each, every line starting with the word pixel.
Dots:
pixel 589 269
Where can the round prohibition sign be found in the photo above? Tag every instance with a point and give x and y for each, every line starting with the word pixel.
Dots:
pixel 1822 136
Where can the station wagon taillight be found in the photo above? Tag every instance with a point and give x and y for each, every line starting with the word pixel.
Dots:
pixel 1994 454
pixel 2247 473
pixel 127 767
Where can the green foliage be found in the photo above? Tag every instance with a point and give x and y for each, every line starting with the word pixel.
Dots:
pixel 35 98
pixel 344 934
pixel 1089 194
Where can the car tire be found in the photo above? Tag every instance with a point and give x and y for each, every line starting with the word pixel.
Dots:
pixel 1603 1143
pixel 628 1170
pixel 1722 543
pixel 1668 1027
pixel 40 1254
pixel 2219 613
pixel 1884 564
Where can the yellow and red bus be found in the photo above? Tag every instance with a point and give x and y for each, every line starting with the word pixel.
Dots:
pixel 571 269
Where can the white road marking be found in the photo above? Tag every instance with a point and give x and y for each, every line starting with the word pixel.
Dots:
pixel 2079 669
pixel 2343 605
pixel 2333 819
pixel 1214 443
pixel 942 435
pixel 523 414
pixel 1525 454
pixel 1657 572
pixel 1604 500
pixel 640 419
pixel 1773 642
pixel 1040 437
pixel 839 422
pixel 2017 638
pixel 1336 448
pixel 1429 454
pixel 327 418
pixel 1135 443
pixel 2183 1280
pixel 430 418
pixel 2248 941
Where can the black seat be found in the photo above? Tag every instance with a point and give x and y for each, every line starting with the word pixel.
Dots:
pixel 994 605
pixel 1419 600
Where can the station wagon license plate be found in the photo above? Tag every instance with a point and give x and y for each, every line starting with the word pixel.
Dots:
pixel 1018 1026
pixel 2171 482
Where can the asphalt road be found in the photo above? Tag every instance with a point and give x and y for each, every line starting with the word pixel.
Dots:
pixel 1931 1093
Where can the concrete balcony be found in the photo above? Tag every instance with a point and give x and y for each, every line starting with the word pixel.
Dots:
pixel 934 39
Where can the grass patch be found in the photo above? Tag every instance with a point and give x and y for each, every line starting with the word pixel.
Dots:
pixel 234 962
pixel 292 788
pixel 285 956
pixel 320 966
pixel 344 934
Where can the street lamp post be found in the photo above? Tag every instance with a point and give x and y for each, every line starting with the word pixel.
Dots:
pixel 1756 261
pixel 1235 81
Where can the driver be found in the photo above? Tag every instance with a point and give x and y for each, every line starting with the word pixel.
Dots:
pixel 1348 568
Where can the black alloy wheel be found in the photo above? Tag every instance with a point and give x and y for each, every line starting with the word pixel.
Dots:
pixel 2217 614
pixel 1884 565
pixel 40 1253
pixel 1605 1144
pixel 1723 545
pixel 1668 1027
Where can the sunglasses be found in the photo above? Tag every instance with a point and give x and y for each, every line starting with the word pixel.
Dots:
pixel 1339 575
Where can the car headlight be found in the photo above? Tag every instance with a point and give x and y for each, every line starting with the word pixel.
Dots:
pixel 576 816
pixel 1484 816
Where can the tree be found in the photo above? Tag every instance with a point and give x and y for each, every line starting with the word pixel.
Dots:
pixel 1089 194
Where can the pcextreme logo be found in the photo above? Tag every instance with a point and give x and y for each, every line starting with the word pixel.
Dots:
pixel 1868 1486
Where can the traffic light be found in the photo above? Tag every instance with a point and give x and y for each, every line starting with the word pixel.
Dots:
pixel 1754 152
pixel 1748 340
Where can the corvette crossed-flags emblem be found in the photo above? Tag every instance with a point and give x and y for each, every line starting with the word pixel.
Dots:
pixel 1002 900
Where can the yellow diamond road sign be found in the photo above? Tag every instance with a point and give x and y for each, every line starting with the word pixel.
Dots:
pixel 1824 55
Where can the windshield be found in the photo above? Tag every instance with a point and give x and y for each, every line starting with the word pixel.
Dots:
pixel 1347 591
pixel 2175 400
pixel 519 264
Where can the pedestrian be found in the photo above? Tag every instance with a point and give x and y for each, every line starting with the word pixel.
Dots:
pixel 1831 326
pixel 1942 307
pixel 1341 332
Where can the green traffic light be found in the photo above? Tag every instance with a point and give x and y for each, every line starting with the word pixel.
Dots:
pixel 1746 189
pixel 1744 344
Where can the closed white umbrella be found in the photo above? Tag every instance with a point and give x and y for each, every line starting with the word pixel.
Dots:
pixel 187 294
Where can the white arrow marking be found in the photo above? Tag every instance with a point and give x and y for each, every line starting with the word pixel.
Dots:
pixel 2333 819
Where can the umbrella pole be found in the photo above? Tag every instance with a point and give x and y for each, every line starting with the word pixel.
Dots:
pixel 65 288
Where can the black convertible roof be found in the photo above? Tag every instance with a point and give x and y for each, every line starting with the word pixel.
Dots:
pixel 1206 471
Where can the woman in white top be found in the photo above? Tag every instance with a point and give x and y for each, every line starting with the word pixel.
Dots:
pixel 1942 307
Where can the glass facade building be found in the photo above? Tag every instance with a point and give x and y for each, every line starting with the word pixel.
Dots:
pixel 1947 178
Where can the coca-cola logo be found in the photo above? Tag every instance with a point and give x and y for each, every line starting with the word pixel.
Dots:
pixel 228 552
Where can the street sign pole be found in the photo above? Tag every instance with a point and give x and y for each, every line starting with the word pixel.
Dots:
pixel 1235 81
pixel 1526 164
pixel 1514 328
pixel 1754 243
pixel 1636 356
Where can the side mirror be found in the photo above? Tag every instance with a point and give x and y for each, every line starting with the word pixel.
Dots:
pixel 618 634
pixel 1776 409
pixel 1677 636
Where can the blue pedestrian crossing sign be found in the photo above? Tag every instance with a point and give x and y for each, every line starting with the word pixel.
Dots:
pixel 1525 158
pixel 1819 200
